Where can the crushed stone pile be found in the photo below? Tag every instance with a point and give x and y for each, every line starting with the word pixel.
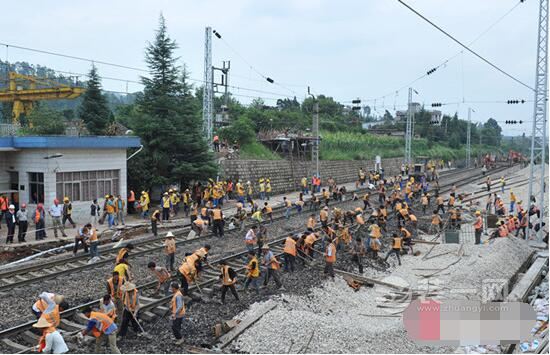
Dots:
pixel 331 319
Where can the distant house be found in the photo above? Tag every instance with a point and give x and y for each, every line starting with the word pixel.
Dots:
pixel 436 117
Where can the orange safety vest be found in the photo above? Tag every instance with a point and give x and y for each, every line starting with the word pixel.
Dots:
pixel 451 201
pixel 217 214
pixel 253 271
pixel 132 197
pixel 311 223
pixel 188 271
pixel 375 231
pixel 118 293
pixel 479 223
pixel 93 235
pixel 274 264
pixel 310 239
pixel 181 312
pixel 130 300
pixel 413 218
pixel 323 215
pixel 503 231
pixel 103 319
pixel 169 246
pixel 436 220
pixel 332 257
pixel 53 317
pixel 227 281
pixel 511 225
pixel 439 200
pixel 290 246
pixel 406 232
pixel 397 243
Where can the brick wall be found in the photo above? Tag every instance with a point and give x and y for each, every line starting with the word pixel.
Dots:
pixel 285 175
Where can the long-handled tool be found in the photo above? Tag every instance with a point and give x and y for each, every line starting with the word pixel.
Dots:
pixel 145 334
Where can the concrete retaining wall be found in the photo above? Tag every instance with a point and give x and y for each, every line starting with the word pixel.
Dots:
pixel 285 175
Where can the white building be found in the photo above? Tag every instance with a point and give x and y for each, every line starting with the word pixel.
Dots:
pixel 39 169
pixel 436 117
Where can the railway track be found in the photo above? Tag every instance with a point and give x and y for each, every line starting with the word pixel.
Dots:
pixel 21 276
pixel 18 337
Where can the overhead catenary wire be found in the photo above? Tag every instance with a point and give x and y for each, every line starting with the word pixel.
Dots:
pixel 446 61
pixel 466 47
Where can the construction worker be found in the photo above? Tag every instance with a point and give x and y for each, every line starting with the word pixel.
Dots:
pixel 261 185
pixel 253 272
pixel 435 226
pixel 175 200
pixel 478 227
pixel 374 240
pixel 250 239
pixel 502 229
pixel 366 202
pixel 299 204
pixel 407 238
pixel 330 258
pixel 511 224
pixel 81 238
pixel 309 242
pixel 67 212
pixel 163 277
pixel 107 306
pixel 186 199
pixel 123 270
pixel 439 202
pixel 124 253
pixel 311 222
pixel 272 267
pixel 56 211
pixel 131 202
pixel 130 300
pixel 229 278
pixel 217 221
pixel 523 223
pixel 240 192
pixel 177 305
pixel 424 202
pixel 453 216
pixel 326 196
pixel 303 185
pixel 51 341
pixel 101 326
pixel 22 222
pixel 513 200
pixel 144 202
pixel 110 208
pixel 290 252
pixel 155 219
pixel 49 306
pixel 288 206
pixel 93 240
pixel 357 253
pixel 268 211
pixel 502 184
pixel 200 225
pixel 170 250
pixel 166 205
pixel 396 248
pixel 187 272
pixel 323 216
pixel 249 191
pixel 11 222
pixel 119 210
pixel 114 285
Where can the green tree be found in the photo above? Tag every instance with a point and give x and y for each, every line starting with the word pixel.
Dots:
pixel 168 122
pixel 94 110
pixel 44 121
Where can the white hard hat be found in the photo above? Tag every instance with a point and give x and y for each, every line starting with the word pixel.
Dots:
pixel 11 207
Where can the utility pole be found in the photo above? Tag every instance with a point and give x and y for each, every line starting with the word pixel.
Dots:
pixel 468 133
pixel 315 134
pixel 538 135
pixel 408 131
pixel 208 94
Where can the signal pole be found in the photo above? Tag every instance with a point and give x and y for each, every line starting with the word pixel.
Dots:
pixel 208 94
pixel 538 135
pixel 408 131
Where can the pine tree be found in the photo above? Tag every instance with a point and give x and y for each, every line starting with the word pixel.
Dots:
pixel 93 110
pixel 168 122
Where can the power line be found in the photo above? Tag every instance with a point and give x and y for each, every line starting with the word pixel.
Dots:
pixel 465 46
pixel 446 61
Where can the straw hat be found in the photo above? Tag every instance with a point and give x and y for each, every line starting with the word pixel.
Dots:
pixel 169 235
pixel 265 247
pixel 128 286
pixel 58 298
pixel 42 323
pixel 478 213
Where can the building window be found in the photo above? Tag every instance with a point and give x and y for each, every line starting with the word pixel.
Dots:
pixel 36 187
pixel 87 185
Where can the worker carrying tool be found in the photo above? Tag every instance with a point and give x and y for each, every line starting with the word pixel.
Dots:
pixel 290 252
pixel 51 341
pixel 130 300
pixel 272 267
pixel 478 227
pixel 114 289
pixel 163 277
pixel 229 278
pixel 396 247
pixel 49 307
pixel 102 328
pixel 252 272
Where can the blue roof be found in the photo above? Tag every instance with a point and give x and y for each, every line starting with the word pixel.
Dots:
pixel 75 142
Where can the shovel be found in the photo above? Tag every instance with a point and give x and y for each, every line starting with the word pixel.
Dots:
pixel 145 334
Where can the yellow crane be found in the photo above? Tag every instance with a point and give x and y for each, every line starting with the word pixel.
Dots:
pixel 24 90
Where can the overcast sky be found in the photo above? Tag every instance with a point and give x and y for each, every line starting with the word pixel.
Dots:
pixel 344 49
